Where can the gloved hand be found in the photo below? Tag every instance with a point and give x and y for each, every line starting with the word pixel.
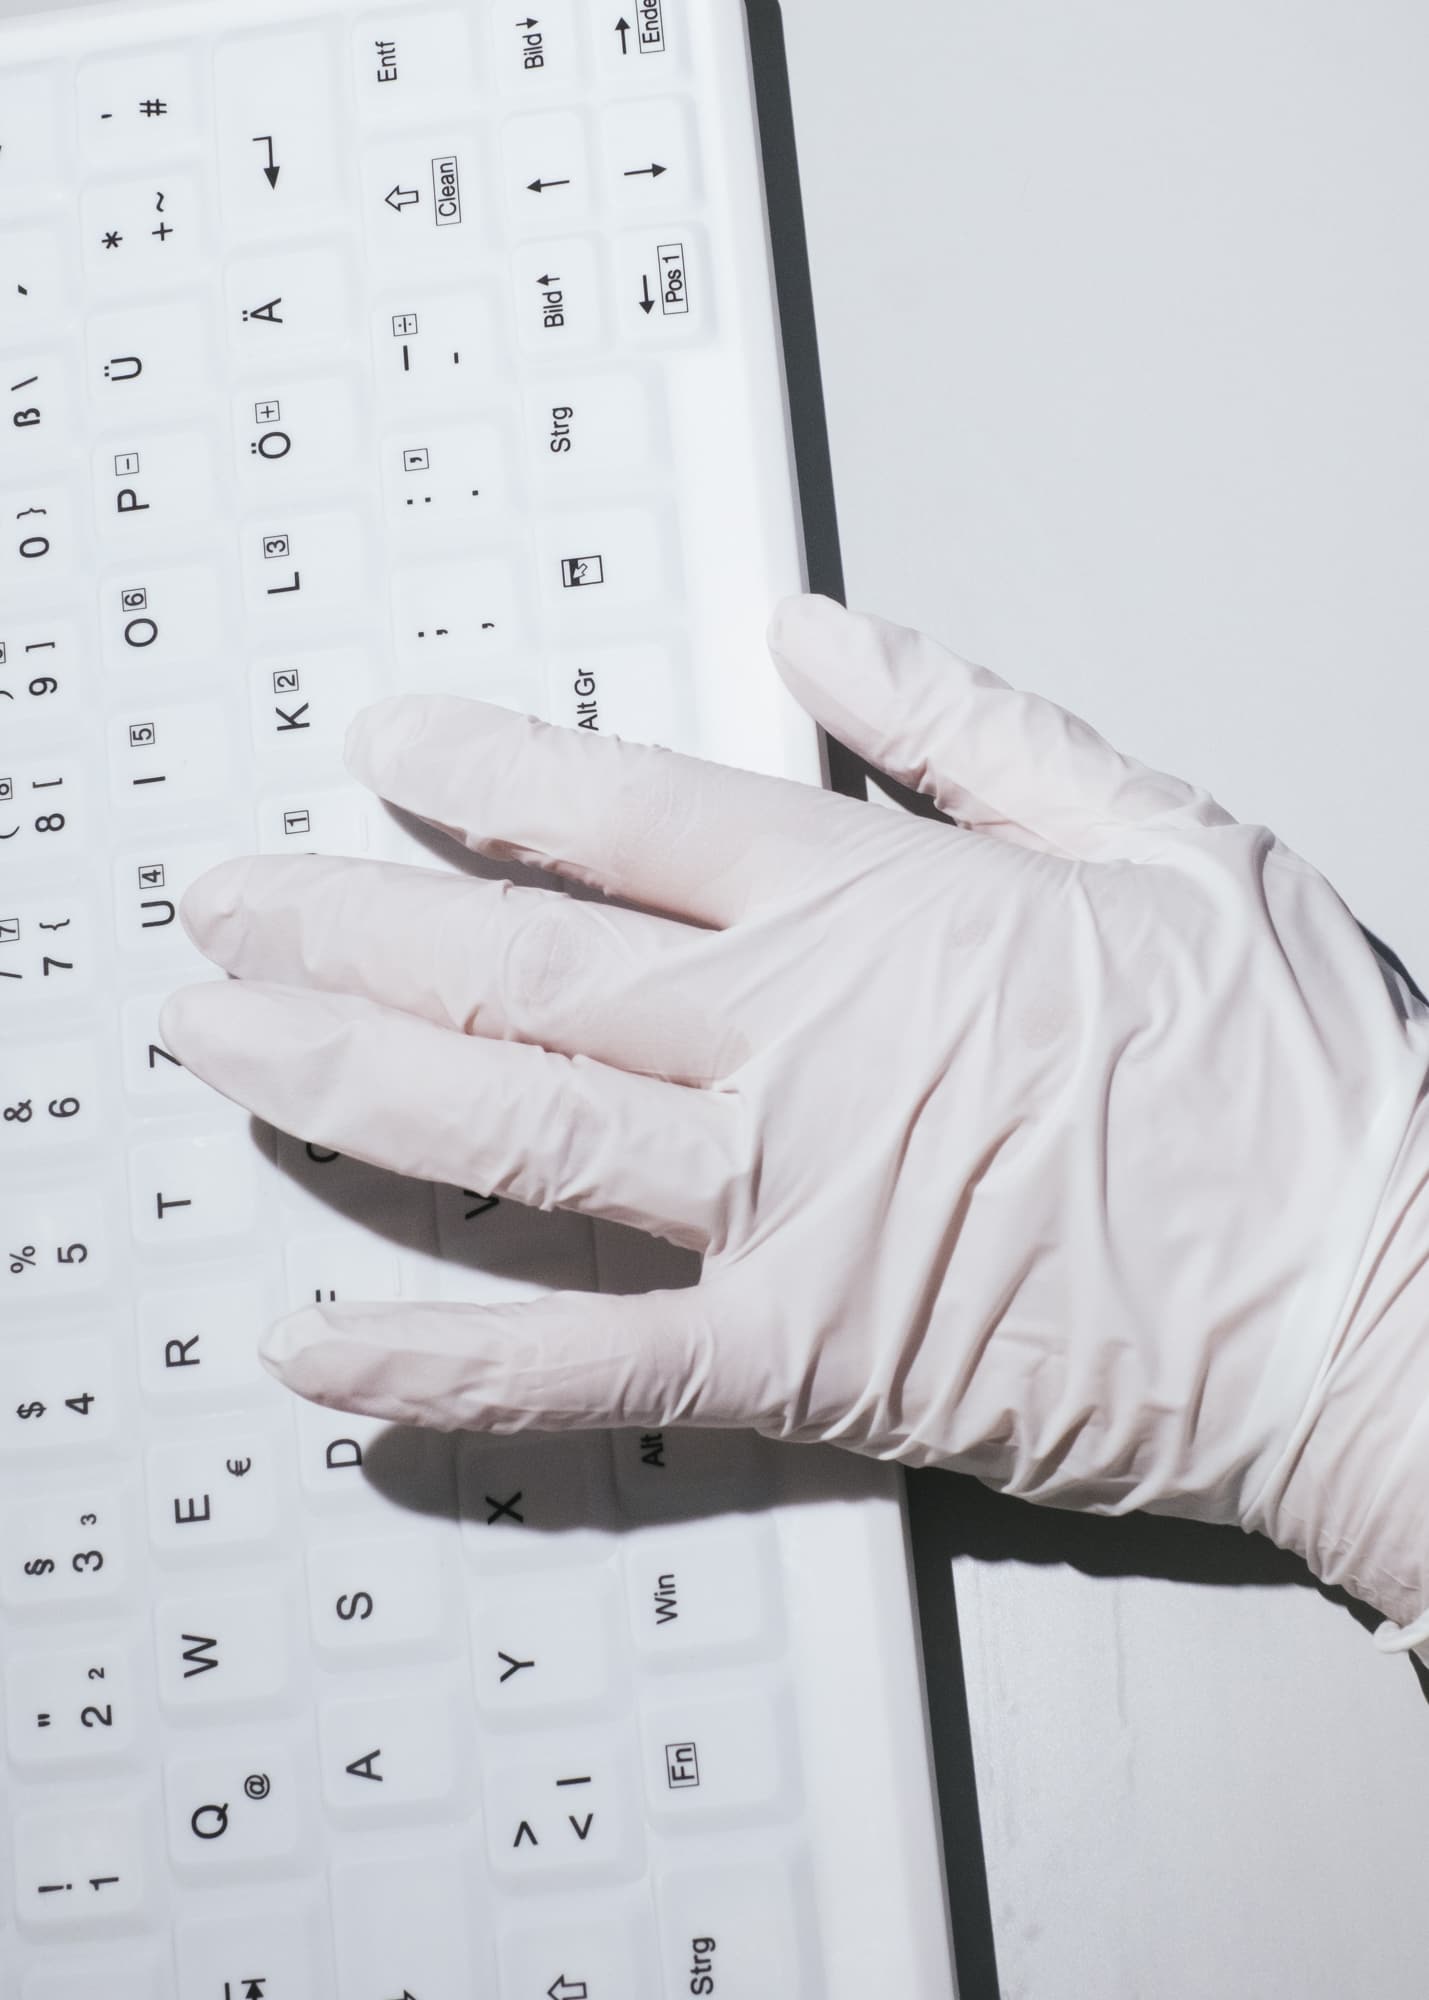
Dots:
pixel 1080 1147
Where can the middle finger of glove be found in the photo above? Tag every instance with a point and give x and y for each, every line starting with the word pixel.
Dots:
pixel 638 992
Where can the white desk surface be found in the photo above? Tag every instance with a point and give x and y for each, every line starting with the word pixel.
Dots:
pixel 1124 323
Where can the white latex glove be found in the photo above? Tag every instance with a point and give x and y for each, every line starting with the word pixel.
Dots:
pixel 1079 1147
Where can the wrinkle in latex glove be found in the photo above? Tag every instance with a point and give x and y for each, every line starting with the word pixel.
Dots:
pixel 1075 1147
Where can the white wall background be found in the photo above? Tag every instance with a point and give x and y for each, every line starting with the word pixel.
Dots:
pixel 1124 320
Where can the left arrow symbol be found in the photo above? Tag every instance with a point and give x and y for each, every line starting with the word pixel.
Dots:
pixel 401 197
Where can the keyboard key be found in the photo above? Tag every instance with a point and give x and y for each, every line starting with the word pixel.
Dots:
pixel 445 495
pixel 36 411
pixel 743 1926
pixel 593 563
pixel 639 692
pixel 400 1924
pixel 414 66
pixel 536 59
pixel 153 620
pixel 267 1954
pixel 218 1651
pixel 36 153
pixel 152 1072
pixel 235 1811
pixel 37 541
pixel 563 1812
pixel 70 1549
pixel 504 1250
pixel 81 1870
pixel 57 1247
pixel 42 679
pixel 51 1096
pixel 435 351
pixel 57 1400
pixel 35 290
pixel 199 1343
pixel 421 202
pixel 546 170
pixel 648 156
pixel 556 292
pixel 718 1760
pixel 587 434
pixel 399 1757
pixel 535 1501
pixel 665 1474
pixel 150 360
pixel 153 493
pixel 121 1973
pixel 279 161
pixel 380 1597
pixel 340 1263
pixel 662 287
pixel 222 1493
pixel 305 573
pixel 80 1707
pixel 287 304
pixel 297 440
pixel 161 758
pixel 149 883
pixel 302 704
pixel 450 620
pixel 542 1646
pixel 644 55
pixel 701 1591
pixel 186 1192
pixel 602 1953
pixel 139 236
pixel 354 1462
pixel 138 109
pixel 312 819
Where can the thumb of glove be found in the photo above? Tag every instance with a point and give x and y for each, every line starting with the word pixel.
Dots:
pixel 997 759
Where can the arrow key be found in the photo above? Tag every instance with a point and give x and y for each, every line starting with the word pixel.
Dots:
pixel 545 169
pixel 648 158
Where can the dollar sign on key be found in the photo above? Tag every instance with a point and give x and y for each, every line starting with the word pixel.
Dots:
pixel 41 1566
pixel 30 1410
pixel 18 1114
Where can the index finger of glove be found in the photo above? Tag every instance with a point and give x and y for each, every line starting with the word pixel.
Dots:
pixel 670 832
pixel 995 758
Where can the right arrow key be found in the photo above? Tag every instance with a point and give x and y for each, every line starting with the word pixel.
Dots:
pixel 648 160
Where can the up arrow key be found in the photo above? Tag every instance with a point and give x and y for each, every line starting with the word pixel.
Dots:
pixel 566 1989
pixel 401 197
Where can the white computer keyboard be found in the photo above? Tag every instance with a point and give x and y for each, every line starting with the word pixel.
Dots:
pixel 345 349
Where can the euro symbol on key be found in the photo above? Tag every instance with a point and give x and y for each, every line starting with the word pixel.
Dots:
pixel 238 1466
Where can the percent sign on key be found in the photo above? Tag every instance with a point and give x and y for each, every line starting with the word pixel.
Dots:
pixel 22 1260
